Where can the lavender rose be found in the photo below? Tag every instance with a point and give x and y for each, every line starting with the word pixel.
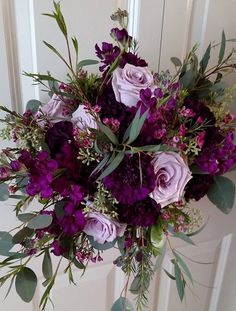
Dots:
pixel 128 82
pixel 55 111
pixel 81 118
pixel 103 229
pixel 172 176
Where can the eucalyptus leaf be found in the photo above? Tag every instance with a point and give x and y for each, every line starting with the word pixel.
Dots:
pixel 25 217
pixel 205 59
pixel 122 304
pixel 183 265
pixel 101 247
pixel 180 235
pixel 137 126
pixel 47 265
pixel 108 132
pixel 176 61
pixel 40 222
pixel 5 243
pixel 4 193
pixel 87 62
pixel 160 258
pixel 101 165
pixel 26 282
pixel 188 78
pixel 113 165
pixel 33 105
pixel 222 194
pixel 59 209
pixel 179 281
pixel 222 47
pixel 21 235
pixel 169 274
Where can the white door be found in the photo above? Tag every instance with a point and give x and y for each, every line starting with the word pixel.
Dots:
pixel 164 28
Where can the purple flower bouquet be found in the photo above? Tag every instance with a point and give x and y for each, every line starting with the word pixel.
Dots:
pixel 115 160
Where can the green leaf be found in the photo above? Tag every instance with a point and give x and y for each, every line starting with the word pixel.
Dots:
pixel 59 209
pixel 137 125
pixel 179 281
pixel 169 275
pixel 5 243
pixel 176 61
pixel 75 44
pixel 40 222
pixel 180 235
pixel 113 165
pixel 157 235
pixel 101 247
pixel 101 165
pixel 122 304
pixel 25 217
pixel 222 194
pixel 26 282
pixel 47 265
pixel 22 234
pixel 205 59
pixel 148 148
pixel 139 284
pixel 222 47
pixel 87 62
pixel 4 193
pixel 183 265
pixel 78 264
pixel 108 132
pixel 188 78
pixel 160 258
pixel 33 105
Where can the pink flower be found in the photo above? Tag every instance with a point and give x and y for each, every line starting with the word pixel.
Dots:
pixel 102 228
pixel 200 139
pixel 129 81
pixel 82 119
pixel 172 176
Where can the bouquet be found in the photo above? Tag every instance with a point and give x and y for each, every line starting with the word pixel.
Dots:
pixel 115 160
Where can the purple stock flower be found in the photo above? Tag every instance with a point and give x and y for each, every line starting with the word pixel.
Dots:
pixel 218 158
pixel 73 221
pixel 125 183
pixel 142 213
pixel 41 170
pixel 107 54
pixel 121 35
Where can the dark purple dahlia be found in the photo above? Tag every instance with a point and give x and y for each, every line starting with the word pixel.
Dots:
pixel 125 182
pixel 142 213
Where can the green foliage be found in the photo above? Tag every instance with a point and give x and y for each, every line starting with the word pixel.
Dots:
pixel 87 62
pixel 33 105
pixel 122 304
pixel 5 243
pixel 4 193
pixel 47 265
pixel 25 217
pixel 222 47
pixel 25 283
pixel 176 61
pixel 222 194
pixel 180 235
pixel 21 235
pixel 180 283
pixel 40 222
pixel 101 247
pixel 113 165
